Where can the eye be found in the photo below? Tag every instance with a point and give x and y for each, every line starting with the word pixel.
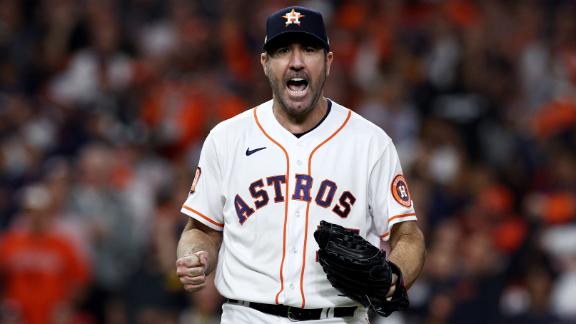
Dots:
pixel 282 50
pixel 310 49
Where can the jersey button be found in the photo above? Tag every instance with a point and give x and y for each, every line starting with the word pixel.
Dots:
pixel 294 250
pixel 291 286
pixel 299 162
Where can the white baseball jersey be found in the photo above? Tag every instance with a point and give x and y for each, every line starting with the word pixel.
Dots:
pixel 268 190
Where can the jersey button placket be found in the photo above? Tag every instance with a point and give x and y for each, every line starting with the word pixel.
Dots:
pixel 296 223
pixel 300 158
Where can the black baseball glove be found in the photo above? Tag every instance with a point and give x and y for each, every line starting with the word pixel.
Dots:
pixel 358 269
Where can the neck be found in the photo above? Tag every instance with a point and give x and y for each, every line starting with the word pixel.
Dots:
pixel 297 124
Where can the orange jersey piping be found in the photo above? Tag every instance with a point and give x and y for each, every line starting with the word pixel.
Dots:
pixel 396 217
pixel 286 200
pixel 308 206
pixel 203 216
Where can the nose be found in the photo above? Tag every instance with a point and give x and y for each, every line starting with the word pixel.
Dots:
pixel 296 59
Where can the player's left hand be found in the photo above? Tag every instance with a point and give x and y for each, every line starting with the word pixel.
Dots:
pixel 359 269
pixel 191 270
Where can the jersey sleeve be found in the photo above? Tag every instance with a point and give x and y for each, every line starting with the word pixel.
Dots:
pixel 389 197
pixel 205 200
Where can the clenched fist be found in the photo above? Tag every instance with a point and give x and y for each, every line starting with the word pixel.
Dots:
pixel 191 269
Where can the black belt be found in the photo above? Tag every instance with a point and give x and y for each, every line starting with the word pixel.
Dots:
pixel 295 313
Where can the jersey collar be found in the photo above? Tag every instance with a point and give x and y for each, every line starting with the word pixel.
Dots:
pixel 331 122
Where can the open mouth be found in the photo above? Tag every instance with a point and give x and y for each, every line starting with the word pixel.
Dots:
pixel 297 86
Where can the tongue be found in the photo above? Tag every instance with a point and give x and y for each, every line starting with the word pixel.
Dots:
pixel 296 86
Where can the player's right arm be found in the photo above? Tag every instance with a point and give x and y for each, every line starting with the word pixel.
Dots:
pixel 197 254
pixel 197 250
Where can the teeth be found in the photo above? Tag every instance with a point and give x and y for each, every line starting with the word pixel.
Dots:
pixel 297 79
pixel 296 93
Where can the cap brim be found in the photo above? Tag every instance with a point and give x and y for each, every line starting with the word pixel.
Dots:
pixel 299 35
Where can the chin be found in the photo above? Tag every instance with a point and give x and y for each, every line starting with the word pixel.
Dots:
pixel 297 108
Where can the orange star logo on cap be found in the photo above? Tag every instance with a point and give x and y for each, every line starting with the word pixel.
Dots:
pixel 293 17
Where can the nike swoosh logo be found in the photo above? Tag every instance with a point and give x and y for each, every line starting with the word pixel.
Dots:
pixel 250 152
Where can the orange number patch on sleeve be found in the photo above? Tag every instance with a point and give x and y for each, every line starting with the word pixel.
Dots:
pixel 400 191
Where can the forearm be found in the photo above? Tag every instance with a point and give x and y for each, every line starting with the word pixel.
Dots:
pixel 408 251
pixel 195 239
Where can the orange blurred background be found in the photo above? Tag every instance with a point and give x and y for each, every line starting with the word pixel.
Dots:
pixel 104 106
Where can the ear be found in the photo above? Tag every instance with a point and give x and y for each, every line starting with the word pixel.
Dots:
pixel 329 59
pixel 264 61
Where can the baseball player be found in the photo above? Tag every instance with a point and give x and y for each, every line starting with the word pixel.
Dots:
pixel 267 178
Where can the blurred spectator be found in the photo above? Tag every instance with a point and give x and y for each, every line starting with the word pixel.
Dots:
pixel 386 105
pixel 97 201
pixel 97 73
pixel 537 286
pixel 154 294
pixel 44 277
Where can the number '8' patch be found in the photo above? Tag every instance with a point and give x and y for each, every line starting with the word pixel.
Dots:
pixel 400 191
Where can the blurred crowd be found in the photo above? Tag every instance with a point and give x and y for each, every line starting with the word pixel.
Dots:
pixel 104 106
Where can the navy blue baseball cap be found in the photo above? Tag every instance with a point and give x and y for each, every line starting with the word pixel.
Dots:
pixel 296 21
